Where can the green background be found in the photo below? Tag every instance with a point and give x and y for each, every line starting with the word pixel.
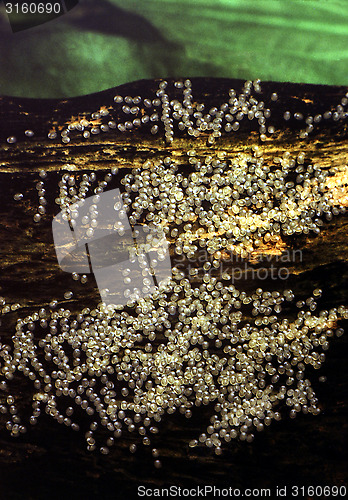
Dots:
pixel 96 45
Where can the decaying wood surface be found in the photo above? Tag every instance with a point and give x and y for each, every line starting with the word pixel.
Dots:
pixel 49 461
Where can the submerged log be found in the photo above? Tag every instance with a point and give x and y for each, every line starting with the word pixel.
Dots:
pixel 50 462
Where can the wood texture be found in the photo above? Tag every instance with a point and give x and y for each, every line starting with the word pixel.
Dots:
pixel 50 461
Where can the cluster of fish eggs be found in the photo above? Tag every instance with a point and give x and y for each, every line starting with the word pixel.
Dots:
pixel 188 346
pixel 170 117
pixel 197 341
pixel 230 202
pixel 162 114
